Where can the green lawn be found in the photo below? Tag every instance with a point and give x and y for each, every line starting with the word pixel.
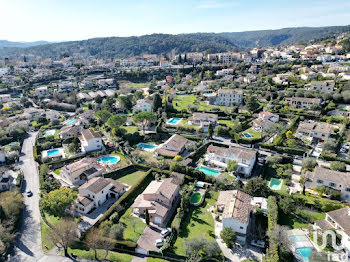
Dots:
pixel 252 132
pixel 227 123
pixel 185 124
pixel 291 221
pixel 131 179
pixel 182 102
pixel 139 85
pixel 131 233
pixel 196 224
pixel 45 239
pixel 112 256
pixel 57 171
pixel 153 259
pixel 130 129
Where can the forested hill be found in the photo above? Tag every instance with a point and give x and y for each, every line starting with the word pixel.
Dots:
pixel 119 47
pixel 5 43
pixel 111 47
pixel 283 36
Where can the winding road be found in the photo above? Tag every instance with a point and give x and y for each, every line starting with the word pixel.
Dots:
pixel 28 243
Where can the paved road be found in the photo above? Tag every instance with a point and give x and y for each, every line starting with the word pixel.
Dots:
pixel 28 244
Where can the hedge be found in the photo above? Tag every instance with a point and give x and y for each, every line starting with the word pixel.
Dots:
pixel 333 158
pixel 282 149
pixel 131 193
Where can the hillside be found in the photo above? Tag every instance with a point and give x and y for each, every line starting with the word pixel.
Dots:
pixel 118 47
pixel 283 36
pixel 5 43
pixel 111 47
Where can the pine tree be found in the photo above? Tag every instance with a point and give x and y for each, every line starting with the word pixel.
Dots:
pixel 147 217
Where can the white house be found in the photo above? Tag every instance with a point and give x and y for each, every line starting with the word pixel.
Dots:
pixel 65 86
pixel 303 102
pixel 41 90
pixel 235 208
pixel 5 98
pixel 95 192
pixel 220 156
pixel 338 220
pixel 5 180
pixel 174 146
pixel 322 86
pixel 90 141
pixel 203 120
pixel 143 105
pixel 2 155
pixel 265 121
pixel 314 130
pixel 227 97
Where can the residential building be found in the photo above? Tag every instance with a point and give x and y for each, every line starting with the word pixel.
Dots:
pixel 220 156
pixel 336 180
pixel 303 102
pixel 282 78
pixel 70 131
pixel 97 191
pixel 5 180
pixel 52 115
pixel 338 220
pixel 160 198
pixel 5 98
pixel 203 120
pixel 65 86
pixel 224 72
pixel 174 146
pixel 90 141
pixel 235 209
pixel 81 171
pixel 322 86
pixel 227 97
pixel 264 122
pixel 316 131
pixel 41 91
pixel 143 105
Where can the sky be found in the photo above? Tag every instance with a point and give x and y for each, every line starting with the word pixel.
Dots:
pixel 65 20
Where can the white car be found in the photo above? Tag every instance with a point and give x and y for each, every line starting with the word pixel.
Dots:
pixel 159 242
pixel 165 232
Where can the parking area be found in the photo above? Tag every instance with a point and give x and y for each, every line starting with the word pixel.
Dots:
pixel 148 238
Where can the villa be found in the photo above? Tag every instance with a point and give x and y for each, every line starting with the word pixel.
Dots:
pixel 174 146
pixel 143 105
pixel 235 209
pixel 227 97
pixel 96 192
pixel 159 198
pixel 338 220
pixel 70 131
pixel 322 86
pixel 220 156
pixel 41 91
pixel 303 102
pixel 265 121
pixel 315 131
pixel 90 141
pixel 5 179
pixel 81 171
pixel 336 180
pixel 203 120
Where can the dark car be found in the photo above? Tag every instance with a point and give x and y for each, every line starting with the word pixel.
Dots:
pixel 29 193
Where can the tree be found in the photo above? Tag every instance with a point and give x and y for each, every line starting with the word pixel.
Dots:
pixel 210 131
pixel 177 158
pixel 289 134
pixel 117 231
pixel 103 115
pixel 98 99
pixel 228 236
pixel 58 200
pixel 64 233
pixel 252 103
pixel 330 144
pixel 257 186
pixel 193 247
pixel 126 101
pixel 147 217
pixel 157 102
pixel 338 166
pixel 144 118
pixel 274 159
pixel 116 121
pixel 96 240
pixel 232 166
pixel 287 204
pixel 309 163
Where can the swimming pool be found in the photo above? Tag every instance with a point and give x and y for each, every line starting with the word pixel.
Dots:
pixel 208 171
pixel 207 94
pixel 109 159
pixel 70 122
pixel 49 133
pixel 147 147
pixel 247 135
pixel 275 184
pixel 53 152
pixel 174 121
pixel 305 253
pixel 196 199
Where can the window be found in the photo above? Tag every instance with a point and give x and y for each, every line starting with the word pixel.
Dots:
pixel 347 189
pixel 319 181
pixel 347 196
pixel 240 227
pixel 332 184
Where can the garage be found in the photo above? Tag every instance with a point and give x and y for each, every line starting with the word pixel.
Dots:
pixel 158 220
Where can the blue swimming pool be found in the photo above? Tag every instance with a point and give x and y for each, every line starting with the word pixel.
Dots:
pixel 49 133
pixel 305 253
pixel 53 152
pixel 247 135
pixel 147 146
pixel 70 122
pixel 109 159
pixel 174 120
pixel 208 171
pixel 207 94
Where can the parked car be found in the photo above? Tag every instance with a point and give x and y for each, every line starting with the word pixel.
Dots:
pixel 258 243
pixel 29 193
pixel 159 242
pixel 166 232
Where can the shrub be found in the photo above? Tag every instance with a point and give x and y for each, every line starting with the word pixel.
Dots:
pixel 228 236
pixel 338 166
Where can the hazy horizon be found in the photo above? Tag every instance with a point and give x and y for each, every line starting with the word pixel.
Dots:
pixel 63 20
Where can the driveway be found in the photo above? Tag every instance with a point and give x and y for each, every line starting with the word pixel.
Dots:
pixel 28 242
pixel 148 238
